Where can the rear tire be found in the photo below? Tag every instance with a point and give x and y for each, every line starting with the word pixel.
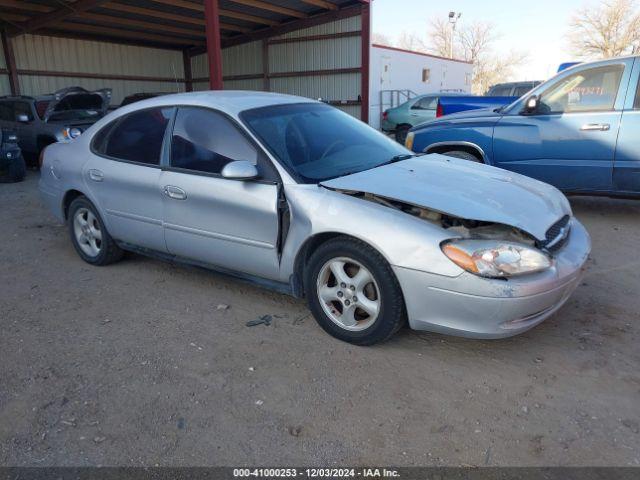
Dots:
pixel 89 235
pixel 361 303
pixel 401 133
pixel 463 155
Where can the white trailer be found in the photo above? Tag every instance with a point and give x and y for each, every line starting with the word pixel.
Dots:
pixel 397 75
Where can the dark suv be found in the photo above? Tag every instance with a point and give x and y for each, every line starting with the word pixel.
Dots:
pixel 40 121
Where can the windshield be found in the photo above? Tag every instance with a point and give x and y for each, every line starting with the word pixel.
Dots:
pixel 317 142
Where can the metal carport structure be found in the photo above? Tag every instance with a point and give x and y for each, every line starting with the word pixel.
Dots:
pixel 316 48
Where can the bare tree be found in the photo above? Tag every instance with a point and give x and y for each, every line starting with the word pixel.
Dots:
pixel 495 69
pixel 411 41
pixel 381 39
pixel 440 37
pixel 474 42
pixel 610 30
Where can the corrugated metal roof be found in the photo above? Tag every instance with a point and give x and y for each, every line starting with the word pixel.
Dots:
pixel 166 23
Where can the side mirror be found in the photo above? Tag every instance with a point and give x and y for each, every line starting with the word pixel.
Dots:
pixel 531 105
pixel 240 170
pixel 22 118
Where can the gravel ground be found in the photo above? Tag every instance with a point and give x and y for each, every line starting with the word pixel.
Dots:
pixel 136 364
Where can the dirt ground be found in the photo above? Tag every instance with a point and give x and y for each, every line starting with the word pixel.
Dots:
pixel 135 364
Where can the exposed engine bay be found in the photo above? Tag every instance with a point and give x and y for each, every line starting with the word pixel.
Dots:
pixel 464 227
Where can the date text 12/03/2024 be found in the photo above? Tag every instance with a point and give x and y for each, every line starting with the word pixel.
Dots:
pixel 315 473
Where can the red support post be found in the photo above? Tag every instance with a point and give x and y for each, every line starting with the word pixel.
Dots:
pixel 214 44
pixel 366 60
pixel 10 60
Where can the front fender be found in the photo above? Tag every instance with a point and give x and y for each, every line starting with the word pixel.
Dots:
pixel 472 132
pixel 404 240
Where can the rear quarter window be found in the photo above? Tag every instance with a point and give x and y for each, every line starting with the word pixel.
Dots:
pixel 135 137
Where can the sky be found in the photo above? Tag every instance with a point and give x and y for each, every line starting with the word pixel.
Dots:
pixel 537 27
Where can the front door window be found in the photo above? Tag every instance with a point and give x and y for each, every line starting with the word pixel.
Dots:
pixel 205 141
pixel 591 90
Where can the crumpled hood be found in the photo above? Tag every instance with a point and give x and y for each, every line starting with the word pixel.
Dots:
pixel 464 189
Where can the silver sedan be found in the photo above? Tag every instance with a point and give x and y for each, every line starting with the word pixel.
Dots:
pixel 298 196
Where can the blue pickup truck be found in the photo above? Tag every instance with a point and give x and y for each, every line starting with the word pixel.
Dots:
pixel 448 105
pixel 578 131
pixel 497 96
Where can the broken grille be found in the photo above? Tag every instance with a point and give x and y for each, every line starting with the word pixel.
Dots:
pixel 557 235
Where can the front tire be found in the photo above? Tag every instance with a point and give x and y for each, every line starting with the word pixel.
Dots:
pixel 89 235
pixel 353 293
pixel 463 155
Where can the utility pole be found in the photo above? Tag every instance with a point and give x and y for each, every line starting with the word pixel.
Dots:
pixel 453 20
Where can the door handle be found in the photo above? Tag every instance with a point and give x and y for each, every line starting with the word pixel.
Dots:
pixel 595 127
pixel 175 192
pixel 96 175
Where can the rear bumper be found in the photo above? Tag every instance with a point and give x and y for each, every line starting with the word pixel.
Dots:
pixel 476 307
pixel 388 126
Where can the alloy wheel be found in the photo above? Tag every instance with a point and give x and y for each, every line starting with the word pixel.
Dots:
pixel 87 232
pixel 348 294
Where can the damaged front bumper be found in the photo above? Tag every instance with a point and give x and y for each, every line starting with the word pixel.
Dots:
pixel 472 306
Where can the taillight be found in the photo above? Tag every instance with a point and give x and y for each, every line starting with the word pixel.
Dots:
pixel 385 114
pixel 439 111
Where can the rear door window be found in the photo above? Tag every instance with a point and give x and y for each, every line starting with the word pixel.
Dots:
pixel 427 103
pixel 520 91
pixel 41 108
pixel 501 91
pixel 136 137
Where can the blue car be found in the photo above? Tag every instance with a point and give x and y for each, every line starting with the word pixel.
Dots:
pixel 579 131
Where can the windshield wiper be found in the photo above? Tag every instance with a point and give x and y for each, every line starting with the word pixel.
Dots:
pixel 395 159
pixel 401 157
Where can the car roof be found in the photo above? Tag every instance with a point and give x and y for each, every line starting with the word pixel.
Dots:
pixel 229 101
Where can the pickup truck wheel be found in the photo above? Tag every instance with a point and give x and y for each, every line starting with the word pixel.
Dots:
pixel 462 155
pixel 401 133
pixel 353 293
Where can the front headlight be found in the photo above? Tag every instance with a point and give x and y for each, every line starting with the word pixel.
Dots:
pixel 71 133
pixel 408 143
pixel 495 259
